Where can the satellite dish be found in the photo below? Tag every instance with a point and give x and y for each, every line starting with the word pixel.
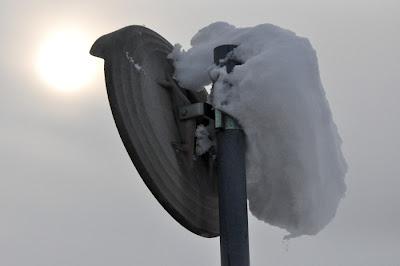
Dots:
pixel 145 102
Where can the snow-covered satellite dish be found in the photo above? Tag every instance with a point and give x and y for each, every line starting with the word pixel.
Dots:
pixel 144 99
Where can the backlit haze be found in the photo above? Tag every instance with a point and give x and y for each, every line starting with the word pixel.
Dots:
pixel 69 194
pixel 62 60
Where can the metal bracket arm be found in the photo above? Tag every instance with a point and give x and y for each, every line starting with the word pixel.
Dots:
pixel 196 110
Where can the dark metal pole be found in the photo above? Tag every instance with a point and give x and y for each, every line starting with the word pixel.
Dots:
pixel 231 170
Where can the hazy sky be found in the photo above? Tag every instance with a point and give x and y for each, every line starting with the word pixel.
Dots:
pixel 69 195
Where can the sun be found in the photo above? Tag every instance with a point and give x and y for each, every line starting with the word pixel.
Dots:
pixel 63 60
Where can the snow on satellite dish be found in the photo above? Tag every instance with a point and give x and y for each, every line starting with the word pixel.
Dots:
pixel 295 167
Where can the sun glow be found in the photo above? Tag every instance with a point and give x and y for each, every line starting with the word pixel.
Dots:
pixel 64 62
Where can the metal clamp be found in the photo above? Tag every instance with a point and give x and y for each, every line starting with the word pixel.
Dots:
pixel 225 121
pixel 196 110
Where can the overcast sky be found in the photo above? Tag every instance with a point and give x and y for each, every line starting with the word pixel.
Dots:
pixel 70 196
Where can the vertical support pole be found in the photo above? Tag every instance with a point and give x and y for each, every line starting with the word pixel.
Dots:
pixel 231 171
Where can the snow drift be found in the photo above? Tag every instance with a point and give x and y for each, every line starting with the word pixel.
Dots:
pixel 295 167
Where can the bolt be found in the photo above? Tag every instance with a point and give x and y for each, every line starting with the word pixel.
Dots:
pixel 184 112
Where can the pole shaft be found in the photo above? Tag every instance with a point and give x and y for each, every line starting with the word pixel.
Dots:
pixel 234 239
pixel 231 171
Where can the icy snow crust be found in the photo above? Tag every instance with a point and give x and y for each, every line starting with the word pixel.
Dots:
pixel 203 141
pixel 295 167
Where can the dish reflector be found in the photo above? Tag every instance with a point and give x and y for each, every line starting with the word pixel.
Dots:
pixel 144 100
